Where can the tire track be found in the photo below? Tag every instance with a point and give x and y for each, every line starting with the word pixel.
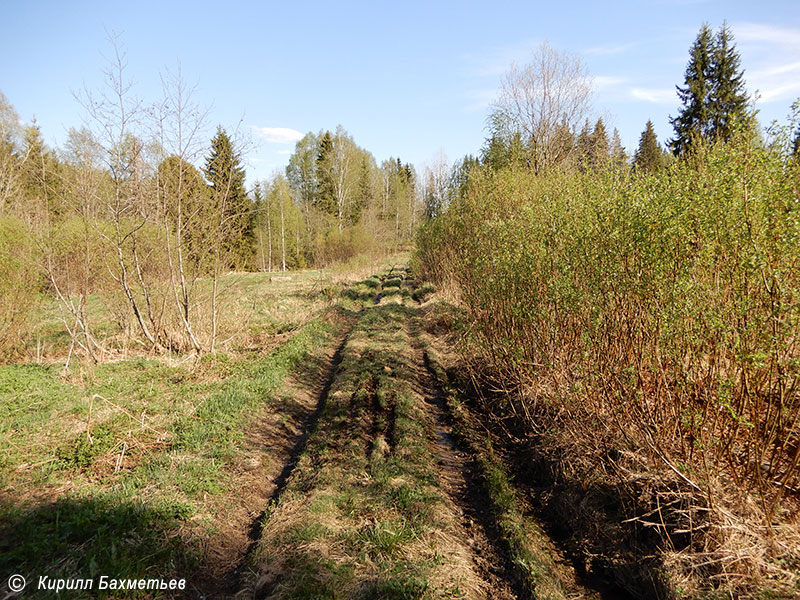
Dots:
pixel 229 583
pixel 459 478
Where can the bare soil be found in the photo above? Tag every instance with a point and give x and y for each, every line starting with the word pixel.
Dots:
pixel 459 479
pixel 275 439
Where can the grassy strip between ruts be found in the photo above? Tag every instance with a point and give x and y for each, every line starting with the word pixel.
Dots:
pixel 363 515
pixel 529 547
pixel 145 520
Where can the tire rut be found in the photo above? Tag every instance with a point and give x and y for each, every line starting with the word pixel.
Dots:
pixel 228 584
pixel 459 478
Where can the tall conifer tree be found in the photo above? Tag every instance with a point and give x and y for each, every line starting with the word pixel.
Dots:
pixel 649 156
pixel 326 193
pixel 728 101
pixel 693 119
pixel 225 175
pixel 714 98
pixel 599 149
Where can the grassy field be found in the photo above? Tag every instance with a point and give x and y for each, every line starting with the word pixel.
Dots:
pixel 324 454
pixel 133 466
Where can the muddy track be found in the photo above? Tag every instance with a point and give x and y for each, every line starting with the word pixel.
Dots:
pixel 374 390
pixel 285 443
pixel 458 475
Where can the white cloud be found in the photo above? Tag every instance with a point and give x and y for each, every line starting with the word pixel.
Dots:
pixel 603 82
pixel 771 60
pixel 278 135
pixel 286 152
pixel 769 34
pixel 654 95
pixel 607 50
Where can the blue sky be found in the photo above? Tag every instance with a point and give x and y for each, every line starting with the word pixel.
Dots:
pixel 407 79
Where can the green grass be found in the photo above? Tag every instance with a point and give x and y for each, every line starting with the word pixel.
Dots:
pixel 359 517
pixel 528 545
pixel 183 429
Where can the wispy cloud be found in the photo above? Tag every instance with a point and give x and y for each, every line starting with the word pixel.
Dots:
pixel 286 152
pixel 654 95
pixel 604 82
pixel 607 50
pixel 772 55
pixel 770 34
pixel 278 135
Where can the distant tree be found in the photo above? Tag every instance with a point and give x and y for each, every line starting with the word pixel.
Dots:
pixel 325 198
pixel 437 186
pixel 40 168
pixel 784 138
pixel 461 171
pixel 188 210
pixel 728 101
pixel 365 192
pixel 343 171
pixel 583 146
pixel 563 141
pixel 599 149
pixel 618 156
pixel 537 101
pixel 225 175
pixel 504 150
pixel 649 157
pixel 9 158
pixel 301 173
pixel 714 97
pixel 692 122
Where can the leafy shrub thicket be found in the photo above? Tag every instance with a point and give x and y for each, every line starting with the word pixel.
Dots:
pixel 19 284
pixel 658 315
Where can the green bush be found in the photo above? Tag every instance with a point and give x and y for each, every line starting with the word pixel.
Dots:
pixel 19 285
pixel 663 306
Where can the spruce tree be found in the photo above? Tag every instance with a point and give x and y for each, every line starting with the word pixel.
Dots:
pixel 728 101
pixel 599 149
pixel 39 170
pixel 693 120
pixel 225 175
pixel 648 157
pixel 583 147
pixel 365 194
pixel 714 98
pixel 326 193
pixel 618 156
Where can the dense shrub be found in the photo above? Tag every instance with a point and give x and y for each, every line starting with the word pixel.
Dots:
pixel 19 284
pixel 650 314
pixel 340 246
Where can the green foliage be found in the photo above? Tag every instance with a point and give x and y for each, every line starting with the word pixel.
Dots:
pixel 338 187
pixel 19 285
pixel 82 451
pixel 189 209
pixel 225 174
pixel 339 246
pixel 649 157
pixel 714 97
pixel 669 298
pixel 325 199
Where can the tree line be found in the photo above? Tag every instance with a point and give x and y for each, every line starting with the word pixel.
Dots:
pixel 640 315
pixel 138 210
